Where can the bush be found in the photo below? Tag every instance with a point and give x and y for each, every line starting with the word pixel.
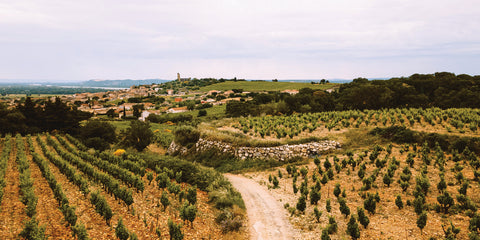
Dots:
pixel 301 204
pixel 370 204
pixel 399 202
pixel 332 226
pixel 121 231
pixel 175 230
pixel 352 228
pixel 32 231
pixel 80 231
pixel 138 135
pixel 186 135
pixel 202 113
pixel 98 134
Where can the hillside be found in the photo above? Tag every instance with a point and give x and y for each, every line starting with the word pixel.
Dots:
pixel 259 86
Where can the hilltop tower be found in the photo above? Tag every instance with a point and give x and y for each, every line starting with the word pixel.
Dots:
pixel 178 77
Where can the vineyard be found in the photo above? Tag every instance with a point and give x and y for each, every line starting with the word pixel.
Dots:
pixel 451 121
pixel 405 191
pixel 51 186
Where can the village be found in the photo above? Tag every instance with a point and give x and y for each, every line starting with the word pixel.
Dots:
pixel 149 99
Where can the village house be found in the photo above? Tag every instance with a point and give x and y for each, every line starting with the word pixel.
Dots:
pixel 290 91
pixel 177 110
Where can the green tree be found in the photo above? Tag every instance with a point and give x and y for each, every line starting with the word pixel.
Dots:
pixel 111 113
pixel 137 110
pixel 98 134
pixel 138 135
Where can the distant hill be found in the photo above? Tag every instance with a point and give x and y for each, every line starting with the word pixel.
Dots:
pixel 126 83
pixel 256 86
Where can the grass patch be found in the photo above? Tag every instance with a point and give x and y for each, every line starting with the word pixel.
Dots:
pixel 446 141
pixel 225 162
pixel 359 138
pixel 259 86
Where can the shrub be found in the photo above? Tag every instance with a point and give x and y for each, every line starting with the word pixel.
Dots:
pixel 121 231
pixel 352 228
pixel 370 204
pixel 32 231
pixel 175 230
pixel 192 195
pixel 164 200
pixel 399 202
pixel 332 225
pixel 344 209
pixel 186 136
pixel 80 231
pixel 337 190
pixel 301 204
pixel 138 135
pixel 362 218
pixel 422 220
pixel 317 214
pixel 188 212
pixel 445 201
pixel 315 196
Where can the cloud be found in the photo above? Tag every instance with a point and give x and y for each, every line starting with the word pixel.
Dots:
pixel 244 38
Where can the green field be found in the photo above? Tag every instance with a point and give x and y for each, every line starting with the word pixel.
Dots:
pixel 250 86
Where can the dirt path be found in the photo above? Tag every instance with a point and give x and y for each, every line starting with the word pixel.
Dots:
pixel 267 218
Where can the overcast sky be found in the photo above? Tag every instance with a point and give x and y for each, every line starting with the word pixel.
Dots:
pixel 253 39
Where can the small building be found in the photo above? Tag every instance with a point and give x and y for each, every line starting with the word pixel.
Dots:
pixel 290 91
pixel 144 115
pixel 177 110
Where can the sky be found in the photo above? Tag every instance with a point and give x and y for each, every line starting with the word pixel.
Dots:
pixel 64 40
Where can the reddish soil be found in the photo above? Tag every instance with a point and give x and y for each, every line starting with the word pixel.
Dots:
pixel 146 213
pixel 95 224
pixel 48 213
pixel 388 222
pixel 12 210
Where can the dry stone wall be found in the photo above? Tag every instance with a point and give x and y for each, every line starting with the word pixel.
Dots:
pixel 281 153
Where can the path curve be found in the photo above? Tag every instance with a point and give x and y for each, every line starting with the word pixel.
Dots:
pixel 267 218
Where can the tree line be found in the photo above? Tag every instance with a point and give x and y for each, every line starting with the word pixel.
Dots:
pixel 30 117
pixel 442 89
